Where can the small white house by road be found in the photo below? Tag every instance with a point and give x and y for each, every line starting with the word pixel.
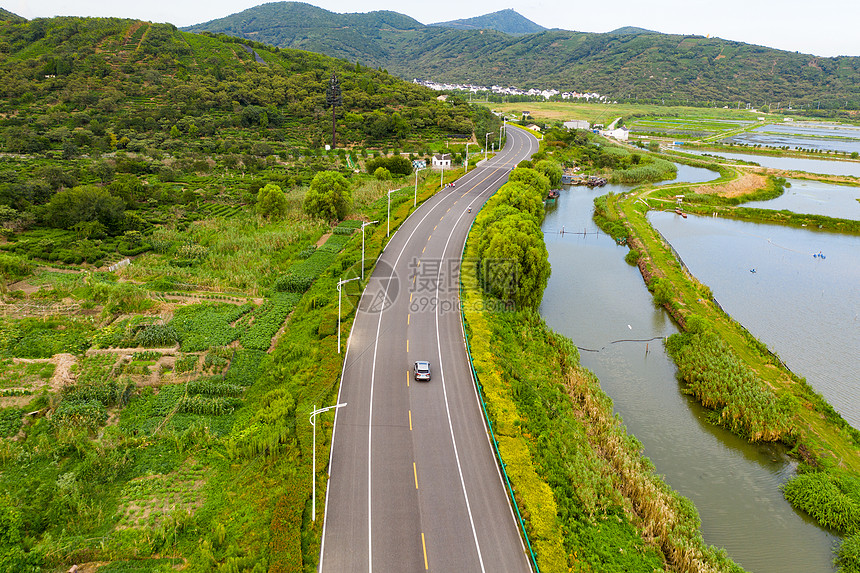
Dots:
pixel 621 133
pixel 442 161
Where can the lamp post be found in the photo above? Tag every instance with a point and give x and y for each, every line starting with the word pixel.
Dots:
pixel 415 198
pixel 486 138
pixel 442 178
pixel 388 216
pixel 314 472
pixel 339 297
pixel 363 225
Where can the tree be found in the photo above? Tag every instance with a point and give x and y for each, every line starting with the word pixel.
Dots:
pixel 522 198
pixel 514 260
pixel 329 196
pixel 271 202
pixel 382 174
pixel 538 181
pixel 551 170
pixel 80 204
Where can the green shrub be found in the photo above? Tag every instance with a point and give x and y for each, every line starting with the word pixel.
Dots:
pixel 89 414
pixel 157 336
pixel 833 501
pixel 848 555
pixel 10 421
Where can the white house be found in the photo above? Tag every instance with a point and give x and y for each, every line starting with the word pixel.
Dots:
pixel 442 161
pixel 621 133
pixel 577 124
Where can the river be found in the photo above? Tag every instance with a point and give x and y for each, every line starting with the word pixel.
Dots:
pixel 595 298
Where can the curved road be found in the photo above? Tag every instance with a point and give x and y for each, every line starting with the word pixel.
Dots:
pixel 414 484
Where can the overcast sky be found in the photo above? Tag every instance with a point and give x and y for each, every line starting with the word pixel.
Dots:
pixel 822 27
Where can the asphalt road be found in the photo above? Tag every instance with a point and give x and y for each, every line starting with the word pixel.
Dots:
pixel 414 485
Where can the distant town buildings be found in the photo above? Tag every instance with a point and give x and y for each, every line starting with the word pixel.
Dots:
pixel 501 90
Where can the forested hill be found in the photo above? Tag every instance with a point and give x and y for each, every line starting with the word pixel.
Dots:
pixel 506 21
pixel 365 37
pixel 621 65
pixel 7 16
pixel 71 82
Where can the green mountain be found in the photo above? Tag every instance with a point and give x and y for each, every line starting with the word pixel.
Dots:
pixel 625 64
pixel 134 78
pixel 366 37
pixel 505 21
pixel 7 16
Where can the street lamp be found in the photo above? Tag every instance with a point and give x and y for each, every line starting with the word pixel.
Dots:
pixel 388 216
pixel 504 127
pixel 314 472
pixel 415 198
pixel 363 225
pixel 486 138
pixel 339 296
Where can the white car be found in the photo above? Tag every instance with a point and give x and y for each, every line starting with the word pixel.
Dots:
pixel 421 370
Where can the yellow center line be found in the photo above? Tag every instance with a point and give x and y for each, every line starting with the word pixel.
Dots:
pixel 430 237
pixel 410 420
pixel 407 378
pixel 408 318
pixel 424 545
pixel 411 293
pixel 424 249
pixel 407 345
pixel 434 228
pixel 415 472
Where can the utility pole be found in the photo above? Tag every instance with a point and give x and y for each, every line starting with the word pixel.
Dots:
pixel 333 98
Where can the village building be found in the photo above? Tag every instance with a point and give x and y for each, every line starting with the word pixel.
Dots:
pixel 442 161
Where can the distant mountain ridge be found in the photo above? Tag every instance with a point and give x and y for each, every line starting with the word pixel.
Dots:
pixel 505 21
pixel 629 63
pixel 627 30
pixel 7 16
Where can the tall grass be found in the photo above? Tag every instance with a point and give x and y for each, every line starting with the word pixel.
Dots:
pixel 720 380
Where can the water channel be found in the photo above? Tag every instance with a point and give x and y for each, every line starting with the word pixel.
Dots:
pixel 828 137
pixel 597 299
pixel 820 166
